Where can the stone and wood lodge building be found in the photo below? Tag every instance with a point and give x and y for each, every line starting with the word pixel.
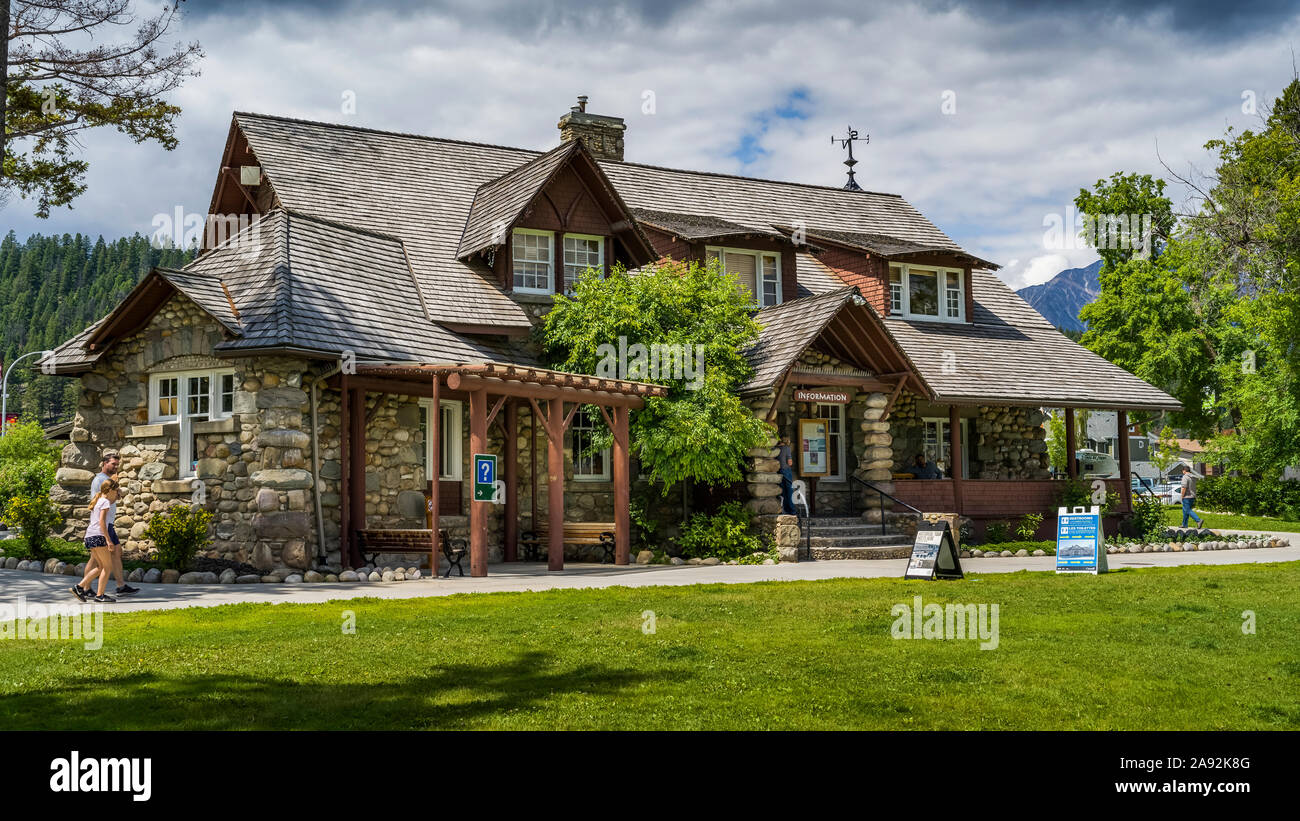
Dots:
pixel 324 370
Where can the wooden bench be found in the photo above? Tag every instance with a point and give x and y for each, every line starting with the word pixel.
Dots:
pixel 535 542
pixel 374 542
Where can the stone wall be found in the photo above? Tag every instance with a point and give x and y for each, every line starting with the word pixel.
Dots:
pixel 1006 442
pixel 251 468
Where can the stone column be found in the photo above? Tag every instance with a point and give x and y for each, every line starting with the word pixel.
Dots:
pixel 281 483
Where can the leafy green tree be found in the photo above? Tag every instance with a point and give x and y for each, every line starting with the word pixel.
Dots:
pixel 1166 452
pixel 62 73
pixel 1056 440
pixel 700 431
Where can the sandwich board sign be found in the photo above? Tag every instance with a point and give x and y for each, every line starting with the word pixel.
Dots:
pixel 1079 546
pixel 934 556
pixel 485 476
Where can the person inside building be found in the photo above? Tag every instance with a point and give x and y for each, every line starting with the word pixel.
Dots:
pixel 924 469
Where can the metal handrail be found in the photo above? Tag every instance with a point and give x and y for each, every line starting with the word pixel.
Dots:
pixel 883 494
pixel 1142 486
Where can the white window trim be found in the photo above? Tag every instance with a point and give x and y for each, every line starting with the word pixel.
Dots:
pixel 185 456
pixel 758 269
pixel 604 475
pixel 842 475
pixel 600 263
pixel 550 274
pixel 942 283
pixel 454 442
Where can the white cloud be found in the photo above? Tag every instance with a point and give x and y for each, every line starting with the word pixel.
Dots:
pixel 1046 103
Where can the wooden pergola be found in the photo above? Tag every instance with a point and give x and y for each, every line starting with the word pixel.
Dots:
pixel 490 389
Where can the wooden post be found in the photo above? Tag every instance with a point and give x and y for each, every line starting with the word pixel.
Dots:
pixel 357 419
pixel 435 469
pixel 1126 488
pixel 555 488
pixel 512 480
pixel 955 456
pixel 345 507
pixel 622 488
pixel 1071 467
pixel 478 510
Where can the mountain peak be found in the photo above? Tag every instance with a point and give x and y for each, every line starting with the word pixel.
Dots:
pixel 1060 298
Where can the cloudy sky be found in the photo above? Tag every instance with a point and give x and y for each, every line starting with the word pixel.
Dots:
pixel 987 116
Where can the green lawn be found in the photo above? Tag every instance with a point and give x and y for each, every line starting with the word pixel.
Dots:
pixel 1231 521
pixel 1135 649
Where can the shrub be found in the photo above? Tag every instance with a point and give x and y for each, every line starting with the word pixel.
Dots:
pixel 1028 526
pixel 179 533
pixel 997 532
pixel 724 534
pixel 1251 497
pixel 37 516
pixel 1148 515
pixel 30 477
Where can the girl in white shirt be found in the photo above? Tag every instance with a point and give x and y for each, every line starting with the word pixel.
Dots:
pixel 103 509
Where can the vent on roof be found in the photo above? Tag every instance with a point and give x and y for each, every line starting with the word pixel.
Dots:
pixel 250 175
pixel 602 135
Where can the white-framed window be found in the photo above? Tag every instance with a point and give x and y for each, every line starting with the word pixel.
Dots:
pixel 582 251
pixel 936 443
pixel 833 413
pixel 534 261
pixel 449 438
pixel 188 397
pixel 193 394
pixel 927 292
pixel 759 272
pixel 589 464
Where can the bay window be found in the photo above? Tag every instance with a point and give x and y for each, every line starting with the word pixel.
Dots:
pixel 927 292
pixel 758 272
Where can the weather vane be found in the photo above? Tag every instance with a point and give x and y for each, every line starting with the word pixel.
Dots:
pixel 847 142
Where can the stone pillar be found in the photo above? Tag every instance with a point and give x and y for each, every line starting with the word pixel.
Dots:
pixel 282 523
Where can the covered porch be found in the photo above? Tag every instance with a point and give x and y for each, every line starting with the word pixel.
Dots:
pixel 495 395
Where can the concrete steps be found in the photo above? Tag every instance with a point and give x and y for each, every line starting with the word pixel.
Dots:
pixel 851 537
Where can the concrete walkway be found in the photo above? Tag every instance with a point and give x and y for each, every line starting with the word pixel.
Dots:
pixel 50 589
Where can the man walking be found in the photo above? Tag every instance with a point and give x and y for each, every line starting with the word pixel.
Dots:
pixel 1189 496
pixel 107 470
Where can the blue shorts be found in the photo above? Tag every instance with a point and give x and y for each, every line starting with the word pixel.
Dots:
pixel 112 535
pixel 95 541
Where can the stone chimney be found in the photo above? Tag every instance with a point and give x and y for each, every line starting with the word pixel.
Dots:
pixel 602 135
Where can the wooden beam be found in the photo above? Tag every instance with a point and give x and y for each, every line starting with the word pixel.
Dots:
pixel 955 456
pixel 893 397
pixel 1125 465
pixel 776 398
pixel 817 379
pixel 478 510
pixel 555 470
pixel 568 418
pixel 540 417
pixel 512 481
pixel 1071 464
pixel 622 488
pixel 493 413
pixel 435 469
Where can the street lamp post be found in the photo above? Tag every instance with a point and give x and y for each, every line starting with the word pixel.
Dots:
pixel 4 390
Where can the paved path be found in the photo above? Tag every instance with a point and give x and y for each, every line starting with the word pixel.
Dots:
pixel 50 589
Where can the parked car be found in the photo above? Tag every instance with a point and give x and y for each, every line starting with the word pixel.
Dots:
pixel 1142 485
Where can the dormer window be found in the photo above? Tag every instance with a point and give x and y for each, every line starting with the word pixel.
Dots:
pixel 582 251
pixel 533 261
pixel 927 292
pixel 759 272
pixel 533 254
